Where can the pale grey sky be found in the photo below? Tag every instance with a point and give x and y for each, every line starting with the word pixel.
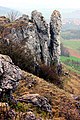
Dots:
pixel 44 6
pixel 40 4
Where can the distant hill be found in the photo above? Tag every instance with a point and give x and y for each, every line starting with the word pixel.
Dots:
pixel 71 28
pixel 71 20
pixel 71 24
pixel 70 34
pixel 4 11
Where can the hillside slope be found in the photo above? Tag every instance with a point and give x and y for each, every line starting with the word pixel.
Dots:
pixel 29 97
pixel 62 100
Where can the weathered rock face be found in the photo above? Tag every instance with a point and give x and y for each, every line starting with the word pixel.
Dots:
pixel 24 18
pixel 30 116
pixel 4 20
pixel 25 33
pixel 42 30
pixel 34 34
pixel 9 74
pixel 55 27
pixel 38 101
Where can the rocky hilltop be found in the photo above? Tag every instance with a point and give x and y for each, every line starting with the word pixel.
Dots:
pixel 32 43
pixel 42 39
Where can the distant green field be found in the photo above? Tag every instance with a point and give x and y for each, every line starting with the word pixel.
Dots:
pixel 63 58
pixel 71 61
pixel 73 44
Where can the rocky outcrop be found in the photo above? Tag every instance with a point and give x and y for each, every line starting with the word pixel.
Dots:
pixel 77 98
pixel 38 101
pixel 25 33
pixel 42 30
pixel 9 74
pixel 34 34
pixel 24 18
pixel 22 116
pixel 30 116
pixel 55 27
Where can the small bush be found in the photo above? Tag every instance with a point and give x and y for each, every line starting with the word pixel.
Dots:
pixel 25 60
pixel 16 51
pixel 21 107
pixel 50 74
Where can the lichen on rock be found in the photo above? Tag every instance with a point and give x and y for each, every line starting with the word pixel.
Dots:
pixel 55 28
pixel 9 74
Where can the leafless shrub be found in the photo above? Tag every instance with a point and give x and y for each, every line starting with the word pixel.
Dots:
pixel 17 53
pixel 13 15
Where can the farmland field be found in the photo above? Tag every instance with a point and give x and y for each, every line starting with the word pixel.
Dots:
pixel 71 61
pixel 73 47
pixel 73 44
pixel 63 58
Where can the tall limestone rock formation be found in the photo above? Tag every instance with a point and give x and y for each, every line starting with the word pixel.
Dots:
pixel 42 30
pixel 55 27
pixel 34 34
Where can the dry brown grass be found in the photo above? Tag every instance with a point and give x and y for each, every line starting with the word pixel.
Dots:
pixel 63 105
pixel 9 26
pixel 71 81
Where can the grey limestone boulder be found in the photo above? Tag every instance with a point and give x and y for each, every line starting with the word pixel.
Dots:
pixel 38 101
pixel 9 74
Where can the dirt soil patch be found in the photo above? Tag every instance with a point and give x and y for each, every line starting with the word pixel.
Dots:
pixel 73 53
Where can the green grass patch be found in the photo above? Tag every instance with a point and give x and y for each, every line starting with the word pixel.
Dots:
pixel 72 69
pixel 73 44
pixel 72 62
pixel 63 58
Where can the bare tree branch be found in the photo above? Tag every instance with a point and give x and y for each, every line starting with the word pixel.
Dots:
pixel 13 15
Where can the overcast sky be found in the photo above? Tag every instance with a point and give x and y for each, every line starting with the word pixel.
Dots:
pixel 40 4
